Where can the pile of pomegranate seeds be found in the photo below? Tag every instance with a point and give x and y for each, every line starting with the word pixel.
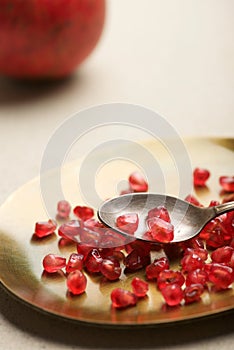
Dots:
pixel 206 261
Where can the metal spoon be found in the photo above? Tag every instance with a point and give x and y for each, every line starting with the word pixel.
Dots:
pixel 188 220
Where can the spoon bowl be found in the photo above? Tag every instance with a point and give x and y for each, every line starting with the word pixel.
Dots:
pixel 188 220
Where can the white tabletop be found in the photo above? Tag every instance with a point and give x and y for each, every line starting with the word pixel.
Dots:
pixel 174 57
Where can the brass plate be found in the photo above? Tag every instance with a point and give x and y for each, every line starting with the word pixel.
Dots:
pixel 21 256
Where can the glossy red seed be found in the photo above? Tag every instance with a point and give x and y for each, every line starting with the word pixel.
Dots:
pixel 136 260
pixel 137 182
pixel 153 270
pixel 172 294
pixel 193 293
pixel 139 287
pixel 191 262
pixel 122 298
pixel 193 200
pixel 71 230
pixel 128 222
pixel 213 203
pixel 222 276
pixel 63 209
pixel 53 263
pixel 45 228
pixel 161 231
pixel 222 254
pixel 167 277
pixel 200 176
pixel 227 183
pixel 159 212
pixel 93 261
pixel 84 213
pixel 84 249
pixel 76 282
pixel 203 253
pixel 75 262
pixel 197 276
pixel 110 269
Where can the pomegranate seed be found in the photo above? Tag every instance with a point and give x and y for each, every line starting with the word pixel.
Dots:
pixel 202 253
pixel 53 263
pixel 76 282
pixel 89 237
pixel 140 245
pixel 75 262
pixel 227 183
pixel 63 209
pixel 111 239
pixel 128 222
pixel 173 251
pixel 191 262
pixel 222 254
pixel 191 199
pixel 172 294
pixel 193 293
pixel 153 270
pixel 139 287
pixel 213 203
pixel 111 269
pixel 159 212
pixel 136 260
pixel 194 243
pixel 161 231
pixel 45 228
pixel 83 249
pixel 71 230
pixel 231 262
pixel 93 261
pixel 167 277
pixel 197 276
pixel 84 213
pixel 222 276
pixel 137 182
pixel 200 176
pixel 122 298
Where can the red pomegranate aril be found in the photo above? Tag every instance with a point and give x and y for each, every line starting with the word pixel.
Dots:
pixel 227 183
pixel 84 249
pixel 172 294
pixel 159 212
pixel 193 200
pixel 213 203
pixel 76 282
pixel 122 298
pixel 140 245
pixel 128 222
pixel 75 262
pixel 193 292
pixel 194 243
pixel 45 228
pixel 93 261
pixel 191 262
pixel 167 277
pixel 53 263
pixel 161 231
pixel 84 213
pixel 63 209
pixel 200 176
pixel 71 230
pixel 110 269
pixel 137 182
pixel 203 253
pixel 197 276
pixel 153 270
pixel 222 254
pixel 221 276
pixel 139 287
pixel 112 240
pixel 136 260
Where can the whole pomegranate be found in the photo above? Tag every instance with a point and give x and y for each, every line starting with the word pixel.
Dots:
pixel 47 38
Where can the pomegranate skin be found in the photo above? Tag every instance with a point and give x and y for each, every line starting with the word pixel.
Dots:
pixel 41 39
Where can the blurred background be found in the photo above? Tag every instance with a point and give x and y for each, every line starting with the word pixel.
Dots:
pixel 175 57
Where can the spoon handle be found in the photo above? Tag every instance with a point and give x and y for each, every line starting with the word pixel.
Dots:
pixel 224 208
